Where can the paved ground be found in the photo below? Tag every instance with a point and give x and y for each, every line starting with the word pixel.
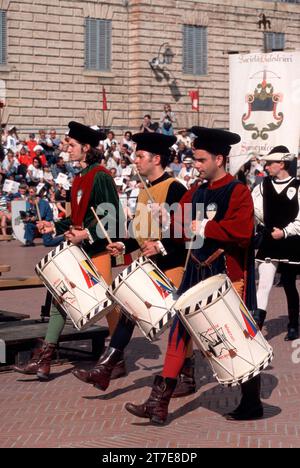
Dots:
pixel 67 413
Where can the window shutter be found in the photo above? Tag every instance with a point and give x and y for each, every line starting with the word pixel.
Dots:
pixel 97 44
pixel 194 50
pixel 274 41
pixel 3 36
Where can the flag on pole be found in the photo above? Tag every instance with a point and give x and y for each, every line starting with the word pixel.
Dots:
pixel 104 99
pixel 194 95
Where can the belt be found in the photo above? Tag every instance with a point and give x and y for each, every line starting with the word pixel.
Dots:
pixel 209 260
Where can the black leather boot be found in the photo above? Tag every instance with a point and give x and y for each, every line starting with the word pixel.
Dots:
pixel 250 406
pixel 259 316
pixel 186 384
pixel 292 334
pixel 156 407
pixel 101 374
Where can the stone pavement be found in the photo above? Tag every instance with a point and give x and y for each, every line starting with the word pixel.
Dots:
pixel 65 412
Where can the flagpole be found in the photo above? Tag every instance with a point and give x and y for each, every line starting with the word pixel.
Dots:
pixel 198 107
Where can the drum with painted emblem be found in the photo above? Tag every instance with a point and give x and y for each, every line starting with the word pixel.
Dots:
pixel 70 275
pixel 224 330
pixel 146 296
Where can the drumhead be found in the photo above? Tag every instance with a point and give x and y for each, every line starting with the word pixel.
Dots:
pixel 200 292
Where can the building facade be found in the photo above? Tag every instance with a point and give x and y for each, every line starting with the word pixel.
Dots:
pixel 57 57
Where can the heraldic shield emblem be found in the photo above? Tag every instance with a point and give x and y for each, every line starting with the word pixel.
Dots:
pixel 263 116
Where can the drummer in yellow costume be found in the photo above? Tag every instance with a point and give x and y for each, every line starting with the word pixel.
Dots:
pixel 92 187
pixel 152 158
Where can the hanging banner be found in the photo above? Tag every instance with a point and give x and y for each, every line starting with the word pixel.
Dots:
pixel 264 104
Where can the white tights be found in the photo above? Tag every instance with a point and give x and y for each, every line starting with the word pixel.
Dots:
pixel 266 278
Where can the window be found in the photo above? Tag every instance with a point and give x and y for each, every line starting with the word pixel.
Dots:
pixel 274 41
pixel 3 37
pixel 194 50
pixel 284 1
pixel 97 44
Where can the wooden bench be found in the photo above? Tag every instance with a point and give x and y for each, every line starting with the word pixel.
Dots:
pixel 4 269
pixel 21 337
pixel 5 238
pixel 10 284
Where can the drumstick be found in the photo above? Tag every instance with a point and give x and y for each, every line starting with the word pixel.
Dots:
pixel 191 245
pixel 105 233
pixel 119 258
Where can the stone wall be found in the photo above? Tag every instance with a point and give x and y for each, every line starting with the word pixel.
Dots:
pixel 47 84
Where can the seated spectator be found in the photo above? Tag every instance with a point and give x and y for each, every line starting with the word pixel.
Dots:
pixel 63 151
pixel 110 140
pixel 32 217
pixel 175 166
pixel 127 140
pixel 40 154
pixel 125 169
pixel 183 137
pixel 48 176
pixel 49 146
pixel 60 168
pixel 31 144
pixel 57 207
pixel 182 151
pixel 188 172
pixel 113 157
pixel 5 213
pixel 35 173
pixel 24 157
pixel 12 139
pixel 148 126
pixel 10 164
pixel 22 192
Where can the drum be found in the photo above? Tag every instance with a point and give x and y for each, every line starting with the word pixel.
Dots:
pixel 146 295
pixel 71 277
pixel 224 330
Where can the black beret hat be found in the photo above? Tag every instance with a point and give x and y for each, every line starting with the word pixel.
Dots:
pixel 155 143
pixel 214 140
pixel 85 135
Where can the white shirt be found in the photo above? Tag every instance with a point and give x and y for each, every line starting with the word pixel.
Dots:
pixel 292 229
pixel 36 173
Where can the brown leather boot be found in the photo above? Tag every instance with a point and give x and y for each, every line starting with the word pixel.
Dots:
pixel 40 362
pixel 156 407
pixel 186 384
pixel 101 374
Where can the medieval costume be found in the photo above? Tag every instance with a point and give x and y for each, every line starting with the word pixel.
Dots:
pixel 91 188
pixel 164 190
pixel 277 205
pixel 227 229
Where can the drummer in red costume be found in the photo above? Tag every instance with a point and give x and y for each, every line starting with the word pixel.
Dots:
pixel 91 188
pixel 227 227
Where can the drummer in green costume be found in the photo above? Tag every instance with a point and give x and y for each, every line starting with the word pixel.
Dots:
pixel 94 186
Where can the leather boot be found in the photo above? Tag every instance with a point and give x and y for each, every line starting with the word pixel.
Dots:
pixel 40 362
pixel 292 334
pixel 156 407
pixel 250 406
pixel 259 316
pixel 186 384
pixel 101 374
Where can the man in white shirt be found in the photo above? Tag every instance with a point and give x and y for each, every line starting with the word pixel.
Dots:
pixel 277 209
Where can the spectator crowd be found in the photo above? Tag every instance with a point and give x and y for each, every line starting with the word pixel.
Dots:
pixel 39 165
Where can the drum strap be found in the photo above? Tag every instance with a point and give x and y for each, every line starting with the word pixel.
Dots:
pixel 209 260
